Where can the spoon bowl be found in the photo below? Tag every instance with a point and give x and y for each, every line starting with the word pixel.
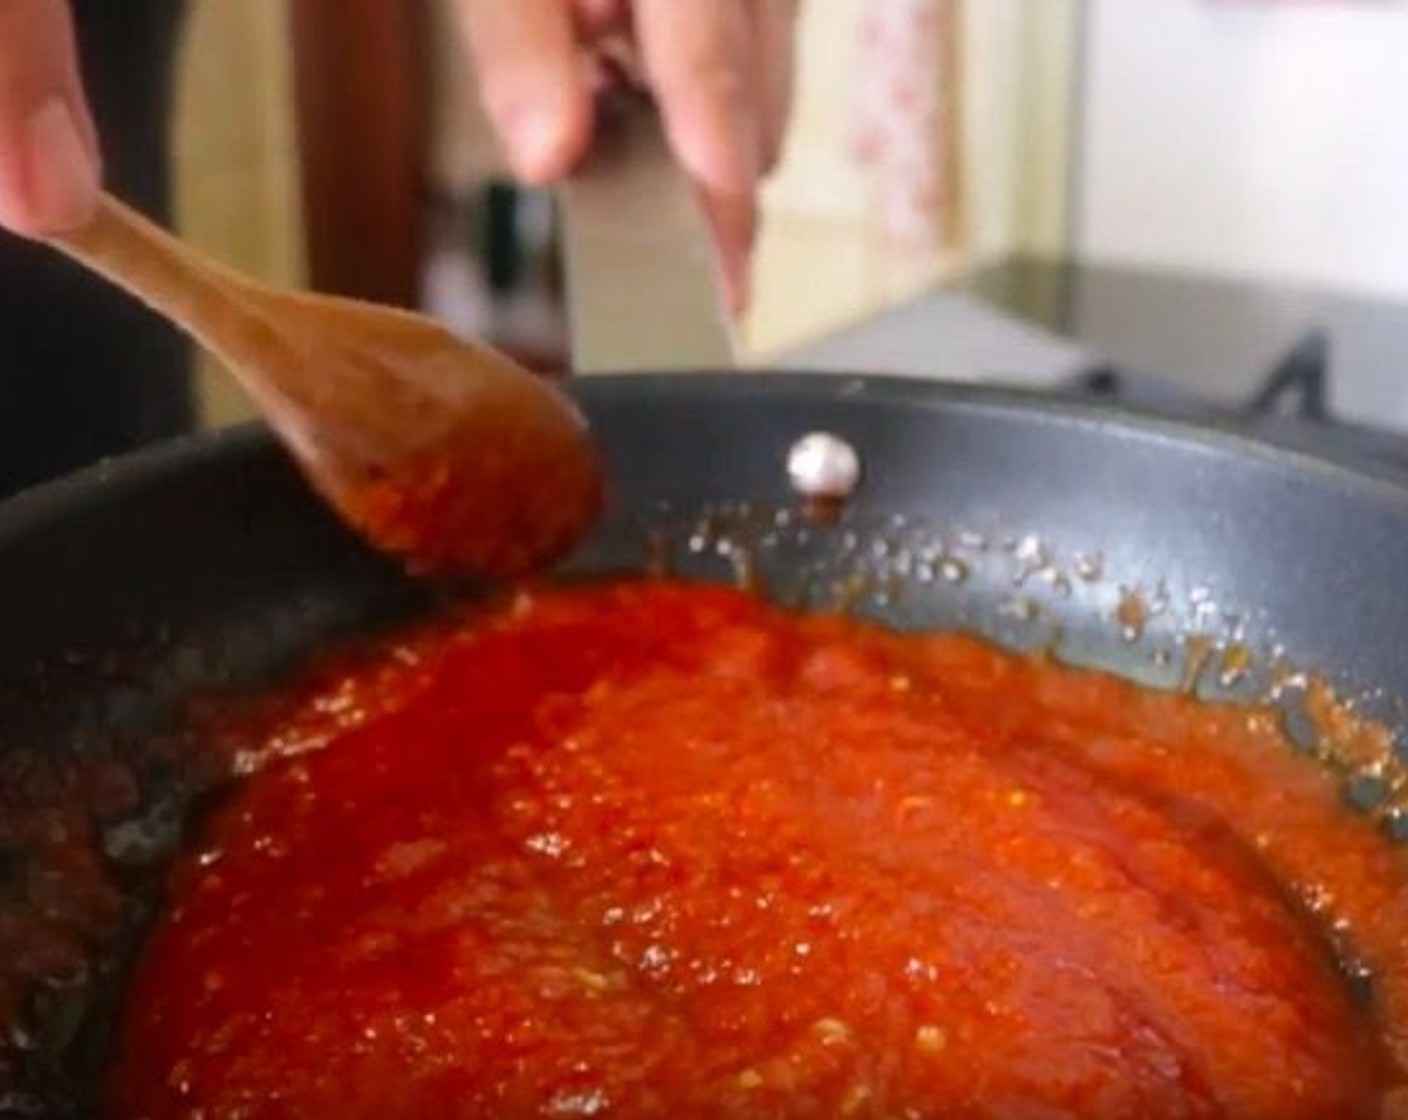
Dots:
pixel 443 452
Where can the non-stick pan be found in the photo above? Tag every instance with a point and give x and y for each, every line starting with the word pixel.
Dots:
pixel 207 566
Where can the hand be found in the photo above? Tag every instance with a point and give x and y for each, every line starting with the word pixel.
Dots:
pixel 721 71
pixel 49 161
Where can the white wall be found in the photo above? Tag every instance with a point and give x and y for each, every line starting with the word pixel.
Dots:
pixel 1019 58
pixel 1250 137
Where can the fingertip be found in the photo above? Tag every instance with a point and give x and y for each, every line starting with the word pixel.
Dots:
pixel 54 180
pixel 50 171
pixel 738 288
pixel 715 141
pixel 738 269
pixel 740 283
pixel 695 57
pixel 543 142
pixel 545 124
pixel 733 219
pixel 531 83
pixel 64 180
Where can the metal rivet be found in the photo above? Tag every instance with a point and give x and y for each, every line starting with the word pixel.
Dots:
pixel 823 466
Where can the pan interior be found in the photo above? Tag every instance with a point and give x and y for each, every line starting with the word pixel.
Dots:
pixel 208 569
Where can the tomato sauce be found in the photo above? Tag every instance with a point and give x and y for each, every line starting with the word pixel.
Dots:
pixel 471 514
pixel 649 849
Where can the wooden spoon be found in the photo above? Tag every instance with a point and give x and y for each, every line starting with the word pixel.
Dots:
pixel 445 453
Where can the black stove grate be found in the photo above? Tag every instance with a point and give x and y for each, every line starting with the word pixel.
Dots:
pixel 1289 408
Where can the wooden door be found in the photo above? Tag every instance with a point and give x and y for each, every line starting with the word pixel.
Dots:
pixel 362 87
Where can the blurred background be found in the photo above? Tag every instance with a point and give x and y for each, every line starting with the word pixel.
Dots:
pixel 1169 193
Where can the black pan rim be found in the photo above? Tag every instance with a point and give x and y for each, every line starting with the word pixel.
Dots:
pixel 994 398
pixel 36 506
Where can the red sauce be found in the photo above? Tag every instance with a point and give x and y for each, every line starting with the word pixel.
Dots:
pixel 653 849
pixel 472 513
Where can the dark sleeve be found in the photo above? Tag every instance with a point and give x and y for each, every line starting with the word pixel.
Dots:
pixel 85 371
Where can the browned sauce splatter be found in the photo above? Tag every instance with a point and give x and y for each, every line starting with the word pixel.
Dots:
pixel 1132 614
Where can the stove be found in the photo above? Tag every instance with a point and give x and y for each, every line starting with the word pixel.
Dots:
pixel 1287 407
pixel 1323 372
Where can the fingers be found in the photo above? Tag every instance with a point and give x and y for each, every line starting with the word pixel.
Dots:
pixel 595 18
pixel 721 72
pixel 774 30
pixel 532 82
pixel 733 219
pixel 697 58
pixel 49 162
pixel 699 62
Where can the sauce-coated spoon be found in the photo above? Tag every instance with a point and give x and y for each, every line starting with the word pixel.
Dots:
pixel 445 453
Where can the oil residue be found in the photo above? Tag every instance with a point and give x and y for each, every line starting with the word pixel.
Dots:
pixel 1132 614
pixel 824 510
pixel 1357 746
pixel 1197 653
pixel 1089 566
pixel 659 555
pixel 825 555
pixel 1237 663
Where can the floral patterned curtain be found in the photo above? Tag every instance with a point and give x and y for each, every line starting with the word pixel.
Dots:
pixel 907 119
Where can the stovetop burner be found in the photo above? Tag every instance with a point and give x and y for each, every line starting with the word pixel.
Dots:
pixel 1288 408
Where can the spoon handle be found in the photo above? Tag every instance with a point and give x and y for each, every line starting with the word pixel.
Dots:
pixel 219 308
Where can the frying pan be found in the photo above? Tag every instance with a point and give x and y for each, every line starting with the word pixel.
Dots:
pixel 207 568
pixel 207 565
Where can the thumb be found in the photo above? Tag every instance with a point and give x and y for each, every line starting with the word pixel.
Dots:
pixel 49 163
